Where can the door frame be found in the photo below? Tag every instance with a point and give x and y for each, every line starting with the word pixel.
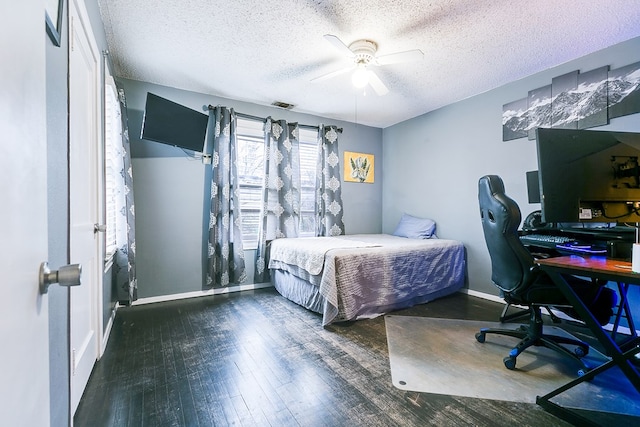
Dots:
pixel 78 20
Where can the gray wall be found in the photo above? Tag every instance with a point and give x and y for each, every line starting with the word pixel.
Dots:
pixel 169 191
pixel 432 163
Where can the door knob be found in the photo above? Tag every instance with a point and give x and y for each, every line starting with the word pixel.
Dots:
pixel 99 228
pixel 67 275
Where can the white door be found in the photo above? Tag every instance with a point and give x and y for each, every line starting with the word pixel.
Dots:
pixel 24 331
pixel 84 138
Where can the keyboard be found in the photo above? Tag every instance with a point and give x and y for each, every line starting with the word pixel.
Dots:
pixel 562 243
pixel 546 240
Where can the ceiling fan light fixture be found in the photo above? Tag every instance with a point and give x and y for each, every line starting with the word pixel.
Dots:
pixel 363 53
pixel 360 77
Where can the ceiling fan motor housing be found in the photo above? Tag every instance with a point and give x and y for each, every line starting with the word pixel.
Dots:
pixel 364 51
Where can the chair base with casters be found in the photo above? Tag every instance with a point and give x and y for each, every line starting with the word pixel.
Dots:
pixel 504 317
pixel 532 335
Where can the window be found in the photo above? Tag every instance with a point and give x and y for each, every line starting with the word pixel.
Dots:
pixel 250 175
pixel 250 135
pixel 308 159
pixel 113 164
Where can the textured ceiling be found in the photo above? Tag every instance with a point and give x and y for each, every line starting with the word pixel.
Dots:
pixel 263 52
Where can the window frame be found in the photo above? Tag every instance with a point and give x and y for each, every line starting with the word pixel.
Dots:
pixel 112 139
pixel 252 130
pixel 308 140
pixel 249 130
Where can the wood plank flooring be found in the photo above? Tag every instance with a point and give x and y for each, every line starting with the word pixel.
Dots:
pixel 257 359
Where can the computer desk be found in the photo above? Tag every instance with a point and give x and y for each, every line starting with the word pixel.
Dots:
pixel 621 355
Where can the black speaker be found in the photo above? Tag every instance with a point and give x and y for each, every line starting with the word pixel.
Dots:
pixel 619 250
pixel 533 187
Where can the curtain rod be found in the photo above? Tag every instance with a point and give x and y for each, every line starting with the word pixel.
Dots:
pixel 262 119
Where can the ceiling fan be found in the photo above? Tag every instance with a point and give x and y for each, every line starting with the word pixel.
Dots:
pixel 363 54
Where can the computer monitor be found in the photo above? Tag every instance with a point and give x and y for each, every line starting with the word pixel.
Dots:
pixel 588 176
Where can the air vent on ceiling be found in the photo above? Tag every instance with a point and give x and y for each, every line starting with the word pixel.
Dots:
pixel 282 105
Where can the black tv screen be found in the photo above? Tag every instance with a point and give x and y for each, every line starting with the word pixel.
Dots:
pixel 588 176
pixel 171 123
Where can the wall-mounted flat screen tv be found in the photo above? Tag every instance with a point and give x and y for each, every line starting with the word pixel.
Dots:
pixel 170 123
pixel 589 176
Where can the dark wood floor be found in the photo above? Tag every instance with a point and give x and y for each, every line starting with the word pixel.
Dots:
pixel 256 359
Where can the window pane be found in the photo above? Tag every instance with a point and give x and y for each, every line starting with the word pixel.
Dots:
pixel 250 197
pixel 307 223
pixel 250 160
pixel 307 199
pixel 250 223
pixel 308 158
pixel 113 163
pixel 250 176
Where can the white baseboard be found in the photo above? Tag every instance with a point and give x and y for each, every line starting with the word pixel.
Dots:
pixel 490 297
pixel 107 331
pixel 483 295
pixel 196 294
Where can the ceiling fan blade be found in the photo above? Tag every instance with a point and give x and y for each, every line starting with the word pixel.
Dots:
pixel 376 84
pixel 338 44
pixel 332 74
pixel 394 58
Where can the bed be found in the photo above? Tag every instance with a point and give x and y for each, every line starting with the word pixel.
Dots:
pixel 364 275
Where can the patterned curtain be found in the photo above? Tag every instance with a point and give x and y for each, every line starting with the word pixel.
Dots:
pixel 125 258
pixel 281 190
pixel 328 192
pixel 225 253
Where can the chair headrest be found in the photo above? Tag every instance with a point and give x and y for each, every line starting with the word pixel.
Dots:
pixel 494 201
pixel 501 217
pixel 493 183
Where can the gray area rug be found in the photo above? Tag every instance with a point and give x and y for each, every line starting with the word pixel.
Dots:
pixel 442 356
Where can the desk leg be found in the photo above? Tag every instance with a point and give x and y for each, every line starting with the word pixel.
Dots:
pixel 611 348
pixel 622 291
pixel 624 311
pixel 564 413
pixel 568 414
pixel 618 358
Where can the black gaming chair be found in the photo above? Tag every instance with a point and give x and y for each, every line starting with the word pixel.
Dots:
pixel 515 273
